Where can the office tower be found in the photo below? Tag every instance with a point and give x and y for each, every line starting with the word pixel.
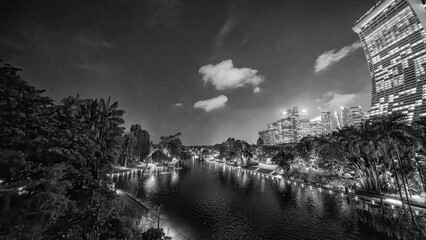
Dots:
pixel 326 122
pixel 356 115
pixel 347 119
pixel 296 124
pixel 394 40
pixel 335 125
pixel 287 130
pixel 304 125
pixel 316 126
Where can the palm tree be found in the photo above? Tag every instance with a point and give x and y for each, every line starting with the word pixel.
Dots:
pixel 395 135
pixel 103 120
pixel 73 105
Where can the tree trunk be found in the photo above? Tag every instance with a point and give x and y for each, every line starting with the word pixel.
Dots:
pixel 380 188
pixel 420 168
pixel 405 187
pixel 399 186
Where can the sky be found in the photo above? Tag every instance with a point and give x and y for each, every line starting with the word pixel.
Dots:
pixel 210 69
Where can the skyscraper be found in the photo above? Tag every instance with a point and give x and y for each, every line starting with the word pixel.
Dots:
pixel 326 122
pixel 394 40
pixel 356 115
pixel 304 125
pixel 335 125
pixel 316 126
pixel 346 114
pixel 290 125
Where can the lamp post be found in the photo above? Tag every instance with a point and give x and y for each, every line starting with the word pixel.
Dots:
pixel 158 215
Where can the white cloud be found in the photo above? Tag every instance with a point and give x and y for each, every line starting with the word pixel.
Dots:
pixel 333 100
pixel 256 90
pixel 212 104
pixel 225 76
pixel 178 104
pixel 331 57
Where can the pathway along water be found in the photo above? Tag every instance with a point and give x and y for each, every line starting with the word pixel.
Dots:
pixel 209 200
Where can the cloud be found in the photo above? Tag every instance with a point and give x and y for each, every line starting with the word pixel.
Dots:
pixel 331 57
pixel 225 76
pixel 333 100
pixel 231 21
pixel 256 90
pixel 178 104
pixel 212 104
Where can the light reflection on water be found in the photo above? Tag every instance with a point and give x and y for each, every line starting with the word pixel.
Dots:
pixel 213 201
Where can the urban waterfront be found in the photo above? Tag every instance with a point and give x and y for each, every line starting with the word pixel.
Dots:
pixel 213 119
pixel 210 200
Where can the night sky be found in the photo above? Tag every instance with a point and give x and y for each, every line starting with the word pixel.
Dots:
pixel 211 69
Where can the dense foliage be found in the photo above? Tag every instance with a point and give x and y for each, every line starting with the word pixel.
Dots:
pixel 383 155
pixel 53 164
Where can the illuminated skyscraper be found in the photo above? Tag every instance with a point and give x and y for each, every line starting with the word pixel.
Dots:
pixel 347 119
pixel 326 122
pixel 394 40
pixel 271 134
pixel 316 126
pixel 304 125
pixel 356 115
pixel 290 125
pixel 335 125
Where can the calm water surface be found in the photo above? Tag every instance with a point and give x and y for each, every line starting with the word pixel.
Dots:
pixel 210 200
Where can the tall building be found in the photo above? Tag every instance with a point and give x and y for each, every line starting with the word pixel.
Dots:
pixel 394 40
pixel 346 116
pixel 326 122
pixel 356 115
pixel 316 126
pixel 304 125
pixel 335 125
pixel 290 125
pixel 271 134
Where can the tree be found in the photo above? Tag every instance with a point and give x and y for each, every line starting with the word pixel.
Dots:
pixel 54 159
pixel 260 142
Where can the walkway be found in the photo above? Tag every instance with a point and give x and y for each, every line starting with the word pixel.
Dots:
pixel 267 171
pixel 171 231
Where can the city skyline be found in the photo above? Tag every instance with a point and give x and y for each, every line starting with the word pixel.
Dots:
pixel 225 75
pixel 294 125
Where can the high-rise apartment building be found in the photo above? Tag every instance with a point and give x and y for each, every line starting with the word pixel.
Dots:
pixel 394 40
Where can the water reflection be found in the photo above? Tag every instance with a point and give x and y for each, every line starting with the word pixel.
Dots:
pixel 214 201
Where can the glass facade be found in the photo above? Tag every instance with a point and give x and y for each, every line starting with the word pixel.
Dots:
pixel 394 42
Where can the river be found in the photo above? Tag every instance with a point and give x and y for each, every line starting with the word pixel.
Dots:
pixel 209 200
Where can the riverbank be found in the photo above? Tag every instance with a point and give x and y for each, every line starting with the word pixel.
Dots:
pixel 268 171
pixel 169 229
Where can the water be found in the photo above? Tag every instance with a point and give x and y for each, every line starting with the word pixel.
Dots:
pixel 209 200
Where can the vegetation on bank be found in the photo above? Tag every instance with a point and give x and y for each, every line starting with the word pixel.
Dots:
pixel 54 160
pixel 384 155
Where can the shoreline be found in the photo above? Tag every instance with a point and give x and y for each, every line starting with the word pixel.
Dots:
pixel 166 225
pixel 369 198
